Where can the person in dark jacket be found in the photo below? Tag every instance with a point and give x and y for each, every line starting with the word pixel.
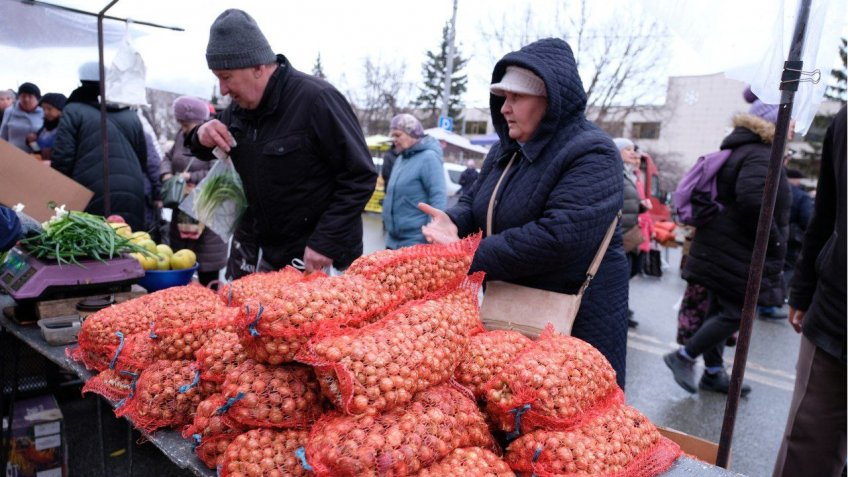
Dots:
pixel 720 255
pixel 77 152
pixel 799 217
pixel 10 230
pixel 211 251
pixel 561 190
pixel 298 147
pixel 467 178
pixel 418 176
pixel 51 104
pixel 814 440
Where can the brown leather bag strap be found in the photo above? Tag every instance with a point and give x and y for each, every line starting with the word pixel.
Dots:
pixel 599 255
pixel 491 209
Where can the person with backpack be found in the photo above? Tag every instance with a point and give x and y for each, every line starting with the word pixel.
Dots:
pixel 721 251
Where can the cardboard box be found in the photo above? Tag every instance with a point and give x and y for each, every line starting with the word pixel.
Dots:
pixel 699 448
pixel 31 182
pixel 38 447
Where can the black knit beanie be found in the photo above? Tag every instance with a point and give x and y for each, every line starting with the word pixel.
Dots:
pixel 29 88
pixel 235 41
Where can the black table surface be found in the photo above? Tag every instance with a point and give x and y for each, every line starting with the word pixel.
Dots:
pixel 178 449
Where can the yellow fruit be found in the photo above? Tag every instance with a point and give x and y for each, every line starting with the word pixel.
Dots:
pixel 183 259
pixel 147 262
pixel 163 249
pixel 123 230
pixel 163 262
pixel 137 237
pixel 148 244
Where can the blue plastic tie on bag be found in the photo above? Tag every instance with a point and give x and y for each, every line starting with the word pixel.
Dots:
pixel 252 326
pixel 117 351
pixel 185 387
pixel 195 441
pixel 230 294
pixel 226 407
pixel 132 388
pixel 301 454
pixel 536 457
pixel 152 333
pixel 519 411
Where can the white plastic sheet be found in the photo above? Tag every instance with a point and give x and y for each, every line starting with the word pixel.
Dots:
pixel 125 77
pixel 826 21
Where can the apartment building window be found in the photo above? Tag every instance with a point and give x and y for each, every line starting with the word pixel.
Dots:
pixel 614 129
pixel 475 127
pixel 645 130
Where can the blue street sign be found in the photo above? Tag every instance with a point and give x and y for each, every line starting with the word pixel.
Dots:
pixel 446 123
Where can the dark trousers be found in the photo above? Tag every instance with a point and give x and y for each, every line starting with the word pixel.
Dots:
pixel 814 441
pixel 723 319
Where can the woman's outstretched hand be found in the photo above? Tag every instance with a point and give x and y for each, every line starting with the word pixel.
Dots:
pixel 441 229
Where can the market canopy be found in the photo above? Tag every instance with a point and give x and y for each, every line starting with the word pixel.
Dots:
pixel 456 141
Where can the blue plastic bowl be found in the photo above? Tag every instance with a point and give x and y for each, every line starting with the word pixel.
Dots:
pixel 155 280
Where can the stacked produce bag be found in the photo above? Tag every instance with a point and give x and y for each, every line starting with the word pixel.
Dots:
pixel 385 370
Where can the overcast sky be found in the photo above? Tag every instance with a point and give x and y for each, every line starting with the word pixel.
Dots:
pixel 705 36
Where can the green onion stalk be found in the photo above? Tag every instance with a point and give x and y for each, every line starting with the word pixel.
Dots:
pixel 78 235
pixel 215 192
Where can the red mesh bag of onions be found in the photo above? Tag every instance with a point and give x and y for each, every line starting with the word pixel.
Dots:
pixel 166 395
pixel 401 441
pixel 260 286
pixel 96 361
pixel 112 384
pixel 469 462
pixel 555 383
pixel 273 331
pixel 175 306
pixel 220 355
pixel 265 453
pixel 488 353
pixel 419 345
pixel 618 443
pixel 420 269
pixel 261 395
pixel 209 432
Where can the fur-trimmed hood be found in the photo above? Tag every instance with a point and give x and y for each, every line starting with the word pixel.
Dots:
pixel 759 126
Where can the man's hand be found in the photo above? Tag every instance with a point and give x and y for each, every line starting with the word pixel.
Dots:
pixel 215 133
pixel 314 261
pixel 441 229
pixel 796 318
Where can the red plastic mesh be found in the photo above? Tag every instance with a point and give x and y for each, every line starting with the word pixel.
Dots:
pixel 488 353
pixel 167 308
pixel 167 393
pixel 557 382
pixel 375 368
pixel 111 384
pixel 275 334
pixel 420 269
pixel 265 452
pixel 208 420
pixel 259 286
pixel 219 355
pixel 401 441
pixel 469 462
pixel 619 443
pixel 272 396
pixel 211 449
pixel 96 361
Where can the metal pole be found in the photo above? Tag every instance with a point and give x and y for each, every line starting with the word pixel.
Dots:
pixel 449 66
pixel 752 290
pixel 104 137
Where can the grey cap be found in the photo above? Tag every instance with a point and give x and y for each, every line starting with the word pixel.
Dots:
pixel 235 41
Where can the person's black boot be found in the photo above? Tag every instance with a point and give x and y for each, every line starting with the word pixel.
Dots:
pixel 683 370
pixel 631 323
pixel 720 383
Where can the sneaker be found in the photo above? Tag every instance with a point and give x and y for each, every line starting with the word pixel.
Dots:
pixel 683 370
pixel 720 383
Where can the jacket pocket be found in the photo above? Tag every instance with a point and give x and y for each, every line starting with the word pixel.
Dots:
pixel 285 160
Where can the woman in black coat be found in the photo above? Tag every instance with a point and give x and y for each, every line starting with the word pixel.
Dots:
pixel 556 200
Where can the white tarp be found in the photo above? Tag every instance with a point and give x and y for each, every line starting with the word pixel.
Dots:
pixel 456 140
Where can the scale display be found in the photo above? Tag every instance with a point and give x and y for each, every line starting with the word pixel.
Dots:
pixel 25 277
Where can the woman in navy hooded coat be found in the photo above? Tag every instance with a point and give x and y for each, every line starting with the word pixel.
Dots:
pixel 556 200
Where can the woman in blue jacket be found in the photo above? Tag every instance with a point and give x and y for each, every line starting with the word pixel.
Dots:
pixel 417 176
pixel 557 184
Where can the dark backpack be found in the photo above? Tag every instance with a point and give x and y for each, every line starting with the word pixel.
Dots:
pixel 695 197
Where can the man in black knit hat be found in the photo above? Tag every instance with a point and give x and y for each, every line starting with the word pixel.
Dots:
pixel 298 148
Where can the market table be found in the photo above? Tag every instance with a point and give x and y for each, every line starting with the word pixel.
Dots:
pixel 178 449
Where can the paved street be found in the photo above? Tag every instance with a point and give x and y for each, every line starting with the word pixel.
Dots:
pixel 650 388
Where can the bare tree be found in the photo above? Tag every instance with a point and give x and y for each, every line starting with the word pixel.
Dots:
pixel 620 62
pixel 384 94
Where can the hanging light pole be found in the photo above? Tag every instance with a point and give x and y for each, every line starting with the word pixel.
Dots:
pixel 446 92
